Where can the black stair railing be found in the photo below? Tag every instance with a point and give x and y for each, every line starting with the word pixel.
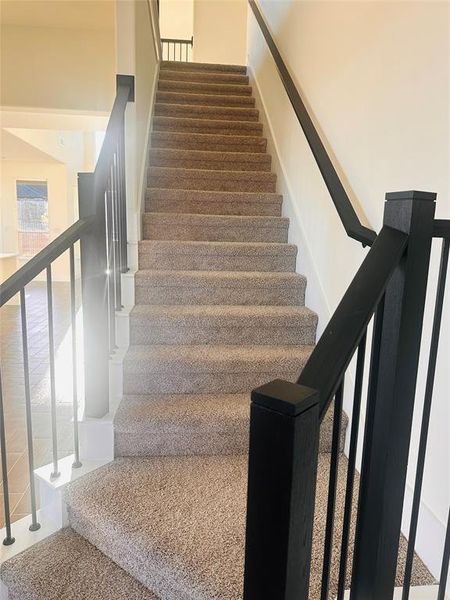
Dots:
pixel 102 195
pixel 347 214
pixel 101 232
pixel 390 287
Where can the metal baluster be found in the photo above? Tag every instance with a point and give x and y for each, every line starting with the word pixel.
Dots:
pixel 110 284
pixel 116 230
pixel 351 465
pixel 112 205
pixel 8 539
pixel 439 303
pixel 445 561
pixel 113 267
pixel 119 206
pixel 51 348
pixel 76 442
pixel 123 202
pixel 334 466
pixel 29 419
pixel 113 235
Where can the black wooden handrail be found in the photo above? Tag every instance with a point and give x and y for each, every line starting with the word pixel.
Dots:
pixel 338 343
pixel 350 220
pixel 41 260
pixel 124 94
pixel 442 228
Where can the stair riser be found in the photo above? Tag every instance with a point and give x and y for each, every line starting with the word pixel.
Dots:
pixel 214 203
pixel 205 207
pixel 206 112
pixel 214 143
pixel 169 65
pixel 148 572
pixel 204 77
pixel 196 262
pixel 157 231
pixel 221 435
pixel 138 379
pixel 230 439
pixel 240 128
pixel 276 295
pixel 227 183
pixel 205 100
pixel 204 88
pixel 214 165
pixel 148 332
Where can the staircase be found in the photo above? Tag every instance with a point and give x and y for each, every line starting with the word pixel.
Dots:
pixel 219 311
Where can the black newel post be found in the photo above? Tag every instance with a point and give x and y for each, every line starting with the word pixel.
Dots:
pixel 94 281
pixel 391 401
pixel 284 438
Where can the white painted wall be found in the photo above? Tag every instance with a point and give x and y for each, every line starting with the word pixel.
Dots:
pixel 375 76
pixel 176 19
pixel 220 31
pixel 57 67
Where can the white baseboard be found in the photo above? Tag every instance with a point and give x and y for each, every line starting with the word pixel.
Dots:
pixel 297 235
pixel 128 289
pixel 123 329
pixel 133 255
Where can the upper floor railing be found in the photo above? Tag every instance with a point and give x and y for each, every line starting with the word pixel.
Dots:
pixel 347 214
pixel 390 287
pixel 177 49
pixel 101 232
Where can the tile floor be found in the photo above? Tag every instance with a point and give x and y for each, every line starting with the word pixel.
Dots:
pixel 11 364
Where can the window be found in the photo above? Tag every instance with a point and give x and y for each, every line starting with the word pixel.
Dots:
pixel 32 212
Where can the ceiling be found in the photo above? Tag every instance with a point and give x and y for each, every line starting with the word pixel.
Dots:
pixel 68 14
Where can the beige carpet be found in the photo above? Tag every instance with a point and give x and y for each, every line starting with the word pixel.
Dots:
pixel 219 310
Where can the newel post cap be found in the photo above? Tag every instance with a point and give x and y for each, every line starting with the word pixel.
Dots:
pixel 411 195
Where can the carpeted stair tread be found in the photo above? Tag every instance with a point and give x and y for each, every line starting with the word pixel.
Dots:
pixel 178 523
pixel 203 369
pixel 184 255
pixel 184 226
pixel 211 179
pixel 213 202
pixel 222 324
pixel 204 99
pixel 199 76
pixel 208 142
pixel 201 159
pixel 195 125
pixel 65 566
pixel 219 287
pixel 171 425
pixel 197 66
pixel 169 369
pixel 179 425
pixel 195 87
pixel 223 113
